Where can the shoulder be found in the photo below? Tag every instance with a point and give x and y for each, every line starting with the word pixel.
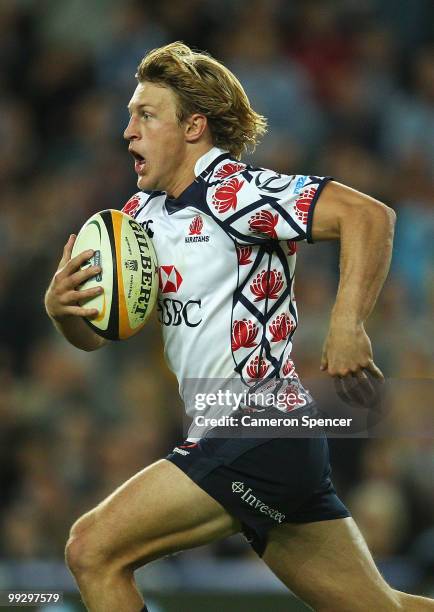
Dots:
pixel 139 200
pixel 233 183
pixel 233 174
pixel 228 168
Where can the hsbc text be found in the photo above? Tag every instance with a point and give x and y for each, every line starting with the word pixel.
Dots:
pixel 175 312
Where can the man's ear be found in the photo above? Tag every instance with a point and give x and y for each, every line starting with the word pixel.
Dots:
pixel 195 126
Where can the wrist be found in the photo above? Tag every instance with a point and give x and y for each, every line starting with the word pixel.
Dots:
pixel 345 318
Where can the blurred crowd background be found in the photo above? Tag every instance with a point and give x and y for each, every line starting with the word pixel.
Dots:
pixel 348 88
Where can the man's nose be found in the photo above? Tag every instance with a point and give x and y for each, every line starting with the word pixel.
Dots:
pixel 131 131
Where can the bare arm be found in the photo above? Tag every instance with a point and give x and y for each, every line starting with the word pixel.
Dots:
pixel 61 300
pixel 364 227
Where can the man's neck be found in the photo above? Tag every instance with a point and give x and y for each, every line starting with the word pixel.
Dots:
pixel 187 174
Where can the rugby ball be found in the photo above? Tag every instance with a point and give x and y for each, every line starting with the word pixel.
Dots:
pixel 129 273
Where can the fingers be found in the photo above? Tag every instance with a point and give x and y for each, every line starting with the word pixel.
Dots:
pixel 355 384
pixel 81 311
pixel 350 390
pixel 348 360
pixel 365 387
pixel 67 250
pixel 324 363
pixel 358 370
pixel 74 264
pixel 62 298
pixel 376 372
pixel 69 303
pixel 73 275
pixel 363 392
pixel 78 278
pixel 74 297
pixel 341 390
pixel 358 389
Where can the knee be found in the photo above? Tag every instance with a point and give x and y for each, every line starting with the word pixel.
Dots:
pixel 84 552
pixel 91 552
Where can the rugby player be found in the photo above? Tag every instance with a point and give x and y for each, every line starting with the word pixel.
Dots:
pixel 227 309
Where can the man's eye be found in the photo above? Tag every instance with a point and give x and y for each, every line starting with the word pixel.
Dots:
pixel 145 115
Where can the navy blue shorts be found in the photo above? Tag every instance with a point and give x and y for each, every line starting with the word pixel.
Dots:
pixel 264 482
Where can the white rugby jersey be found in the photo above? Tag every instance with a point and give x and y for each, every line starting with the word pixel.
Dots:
pixel 226 250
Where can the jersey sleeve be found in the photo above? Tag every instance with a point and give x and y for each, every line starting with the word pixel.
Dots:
pixel 258 205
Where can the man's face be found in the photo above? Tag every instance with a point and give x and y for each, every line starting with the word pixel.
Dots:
pixel 156 138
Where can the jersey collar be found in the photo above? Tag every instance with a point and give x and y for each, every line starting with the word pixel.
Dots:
pixel 207 159
pixel 192 193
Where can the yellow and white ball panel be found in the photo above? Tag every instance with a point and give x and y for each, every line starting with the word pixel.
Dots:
pixel 93 235
pixel 129 273
pixel 136 274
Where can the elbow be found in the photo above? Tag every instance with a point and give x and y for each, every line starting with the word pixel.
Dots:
pixel 385 216
pixel 392 216
pixel 388 212
pixel 373 218
pixel 392 221
pixel 341 207
pixel 373 212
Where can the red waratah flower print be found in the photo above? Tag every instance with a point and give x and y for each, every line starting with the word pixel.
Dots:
pixel 257 368
pixel 292 247
pixel 303 203
pixel 243 334
pixel 196 226
pixel 293 398
pixel 229 169
pixel 225 196
pixel 131 206
pixel 243 253
pixel 267 284
pixel 289 369
pixel 264 222
pixel 281 327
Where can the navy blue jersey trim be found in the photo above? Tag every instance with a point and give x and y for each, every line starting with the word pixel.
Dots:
pixel 152 195
pixel 321 186
pixel 276 205
pixel 209 169
pixel 194 192
pixel 243 239
pixel 191 196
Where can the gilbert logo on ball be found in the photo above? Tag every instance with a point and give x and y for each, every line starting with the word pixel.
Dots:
pixel 129 273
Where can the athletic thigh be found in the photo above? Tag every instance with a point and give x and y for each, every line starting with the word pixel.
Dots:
pixel 158 511
pixel 328 565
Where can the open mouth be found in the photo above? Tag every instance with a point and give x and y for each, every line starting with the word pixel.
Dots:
pixel 139 161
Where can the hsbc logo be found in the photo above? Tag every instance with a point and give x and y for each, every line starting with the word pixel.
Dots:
pixel 247 496
pixel 174 312
pixel 169 279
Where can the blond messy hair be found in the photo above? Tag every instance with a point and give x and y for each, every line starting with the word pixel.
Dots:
pixel 203 85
